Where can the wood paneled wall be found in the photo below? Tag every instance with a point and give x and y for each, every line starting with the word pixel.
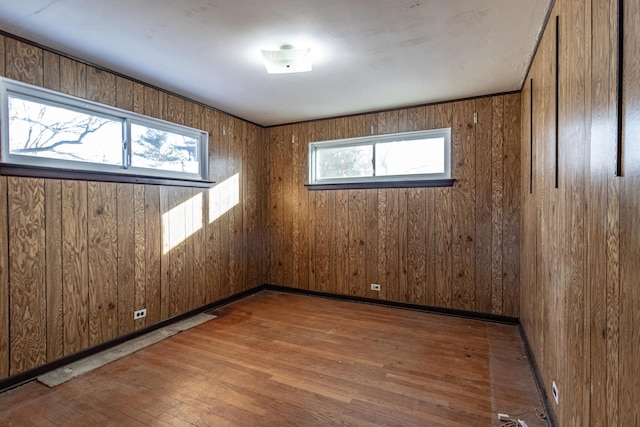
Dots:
pixel 446 247
pixel 580 271
pixel 77 257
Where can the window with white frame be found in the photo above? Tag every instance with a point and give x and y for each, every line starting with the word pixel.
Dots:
pixel 41 127
pixel 410 156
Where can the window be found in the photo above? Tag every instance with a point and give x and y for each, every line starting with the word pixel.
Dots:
pixel 411 156
pixel 45 128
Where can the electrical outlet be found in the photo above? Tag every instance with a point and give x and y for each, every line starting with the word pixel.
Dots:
pixel 139 314
pixel 554 390
pixel 375 287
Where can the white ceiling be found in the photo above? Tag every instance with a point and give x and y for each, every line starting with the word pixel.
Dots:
pixel 369 54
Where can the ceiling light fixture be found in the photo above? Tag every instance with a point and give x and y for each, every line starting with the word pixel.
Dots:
pixel 287 59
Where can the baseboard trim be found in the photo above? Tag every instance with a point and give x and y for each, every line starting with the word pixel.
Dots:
pixel 30 375
pixel 395 304
pixel 544 397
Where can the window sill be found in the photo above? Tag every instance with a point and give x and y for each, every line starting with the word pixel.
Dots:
pixel 10 169
pixel 383 184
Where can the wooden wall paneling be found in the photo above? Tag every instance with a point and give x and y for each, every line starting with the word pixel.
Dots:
pixel 73 77
pixel 578 20
pixel 126 97
pixel 444 222
pixel 293 237
pixel 140 256
pixel 224 174
pixel 4 272
pixel 153 253
pixel 238 254
pixel 629 316
pixel 418 230
pixel 23 62
pixel 276 211
pixel 511 240
pixel 602 132
pixel 101 86
pixel 287 202
pixel 484 173
pixel 3 55
pixel 249 205
pixel 397 225
pixel 126 238
pixel 604 233
pixel 264 204
pixel 211 123
pixel 103 261
pixel 152 102
pixel 27 267
pixel 302 145
pixel 75 266
pixel 177 217
pixel 380 126
pixel 463 247
pixel 357 232
pixel 497 198
pixel 53 236
pixel 51 70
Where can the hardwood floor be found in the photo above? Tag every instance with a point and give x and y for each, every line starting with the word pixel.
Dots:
pixel 276 359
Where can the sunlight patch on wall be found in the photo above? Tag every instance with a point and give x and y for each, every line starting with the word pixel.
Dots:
pixel 223 197
pixel 181 222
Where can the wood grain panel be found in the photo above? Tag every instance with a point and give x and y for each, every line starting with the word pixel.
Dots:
pixel 236 227
pixel 26 217
pixel 23 62
pixel 175 217
pixel 444 225
pixel 497 198
pixel 103 262
pixel 125 96
pixel 101 86
pixel 126 258
pixel 73 77
pixel 417 245
pixel 153 253
pixel 51 70
pixel 2 55
pixel 140 256
pixel 392 249
pixel 213 224
pixel 302 238
pixel 463 245
pixel 4 275
pixel 511 240
pixel 340 264
pixel 75 266
pixel 54 269
pixel 484 206
pixel 629 316
pixel 357 232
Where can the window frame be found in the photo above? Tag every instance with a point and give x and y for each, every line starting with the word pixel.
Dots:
pixel 28 92
pixel 439 179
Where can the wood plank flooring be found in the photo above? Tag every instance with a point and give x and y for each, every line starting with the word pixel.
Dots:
pixel 276 359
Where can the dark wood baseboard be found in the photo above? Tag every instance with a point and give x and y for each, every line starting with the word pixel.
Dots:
pixel 427 309
pixel 544 397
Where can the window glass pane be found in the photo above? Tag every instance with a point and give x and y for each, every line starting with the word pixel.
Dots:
pixel 411 157
pixel 159 149
pixel 54 132
pixel 344 162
